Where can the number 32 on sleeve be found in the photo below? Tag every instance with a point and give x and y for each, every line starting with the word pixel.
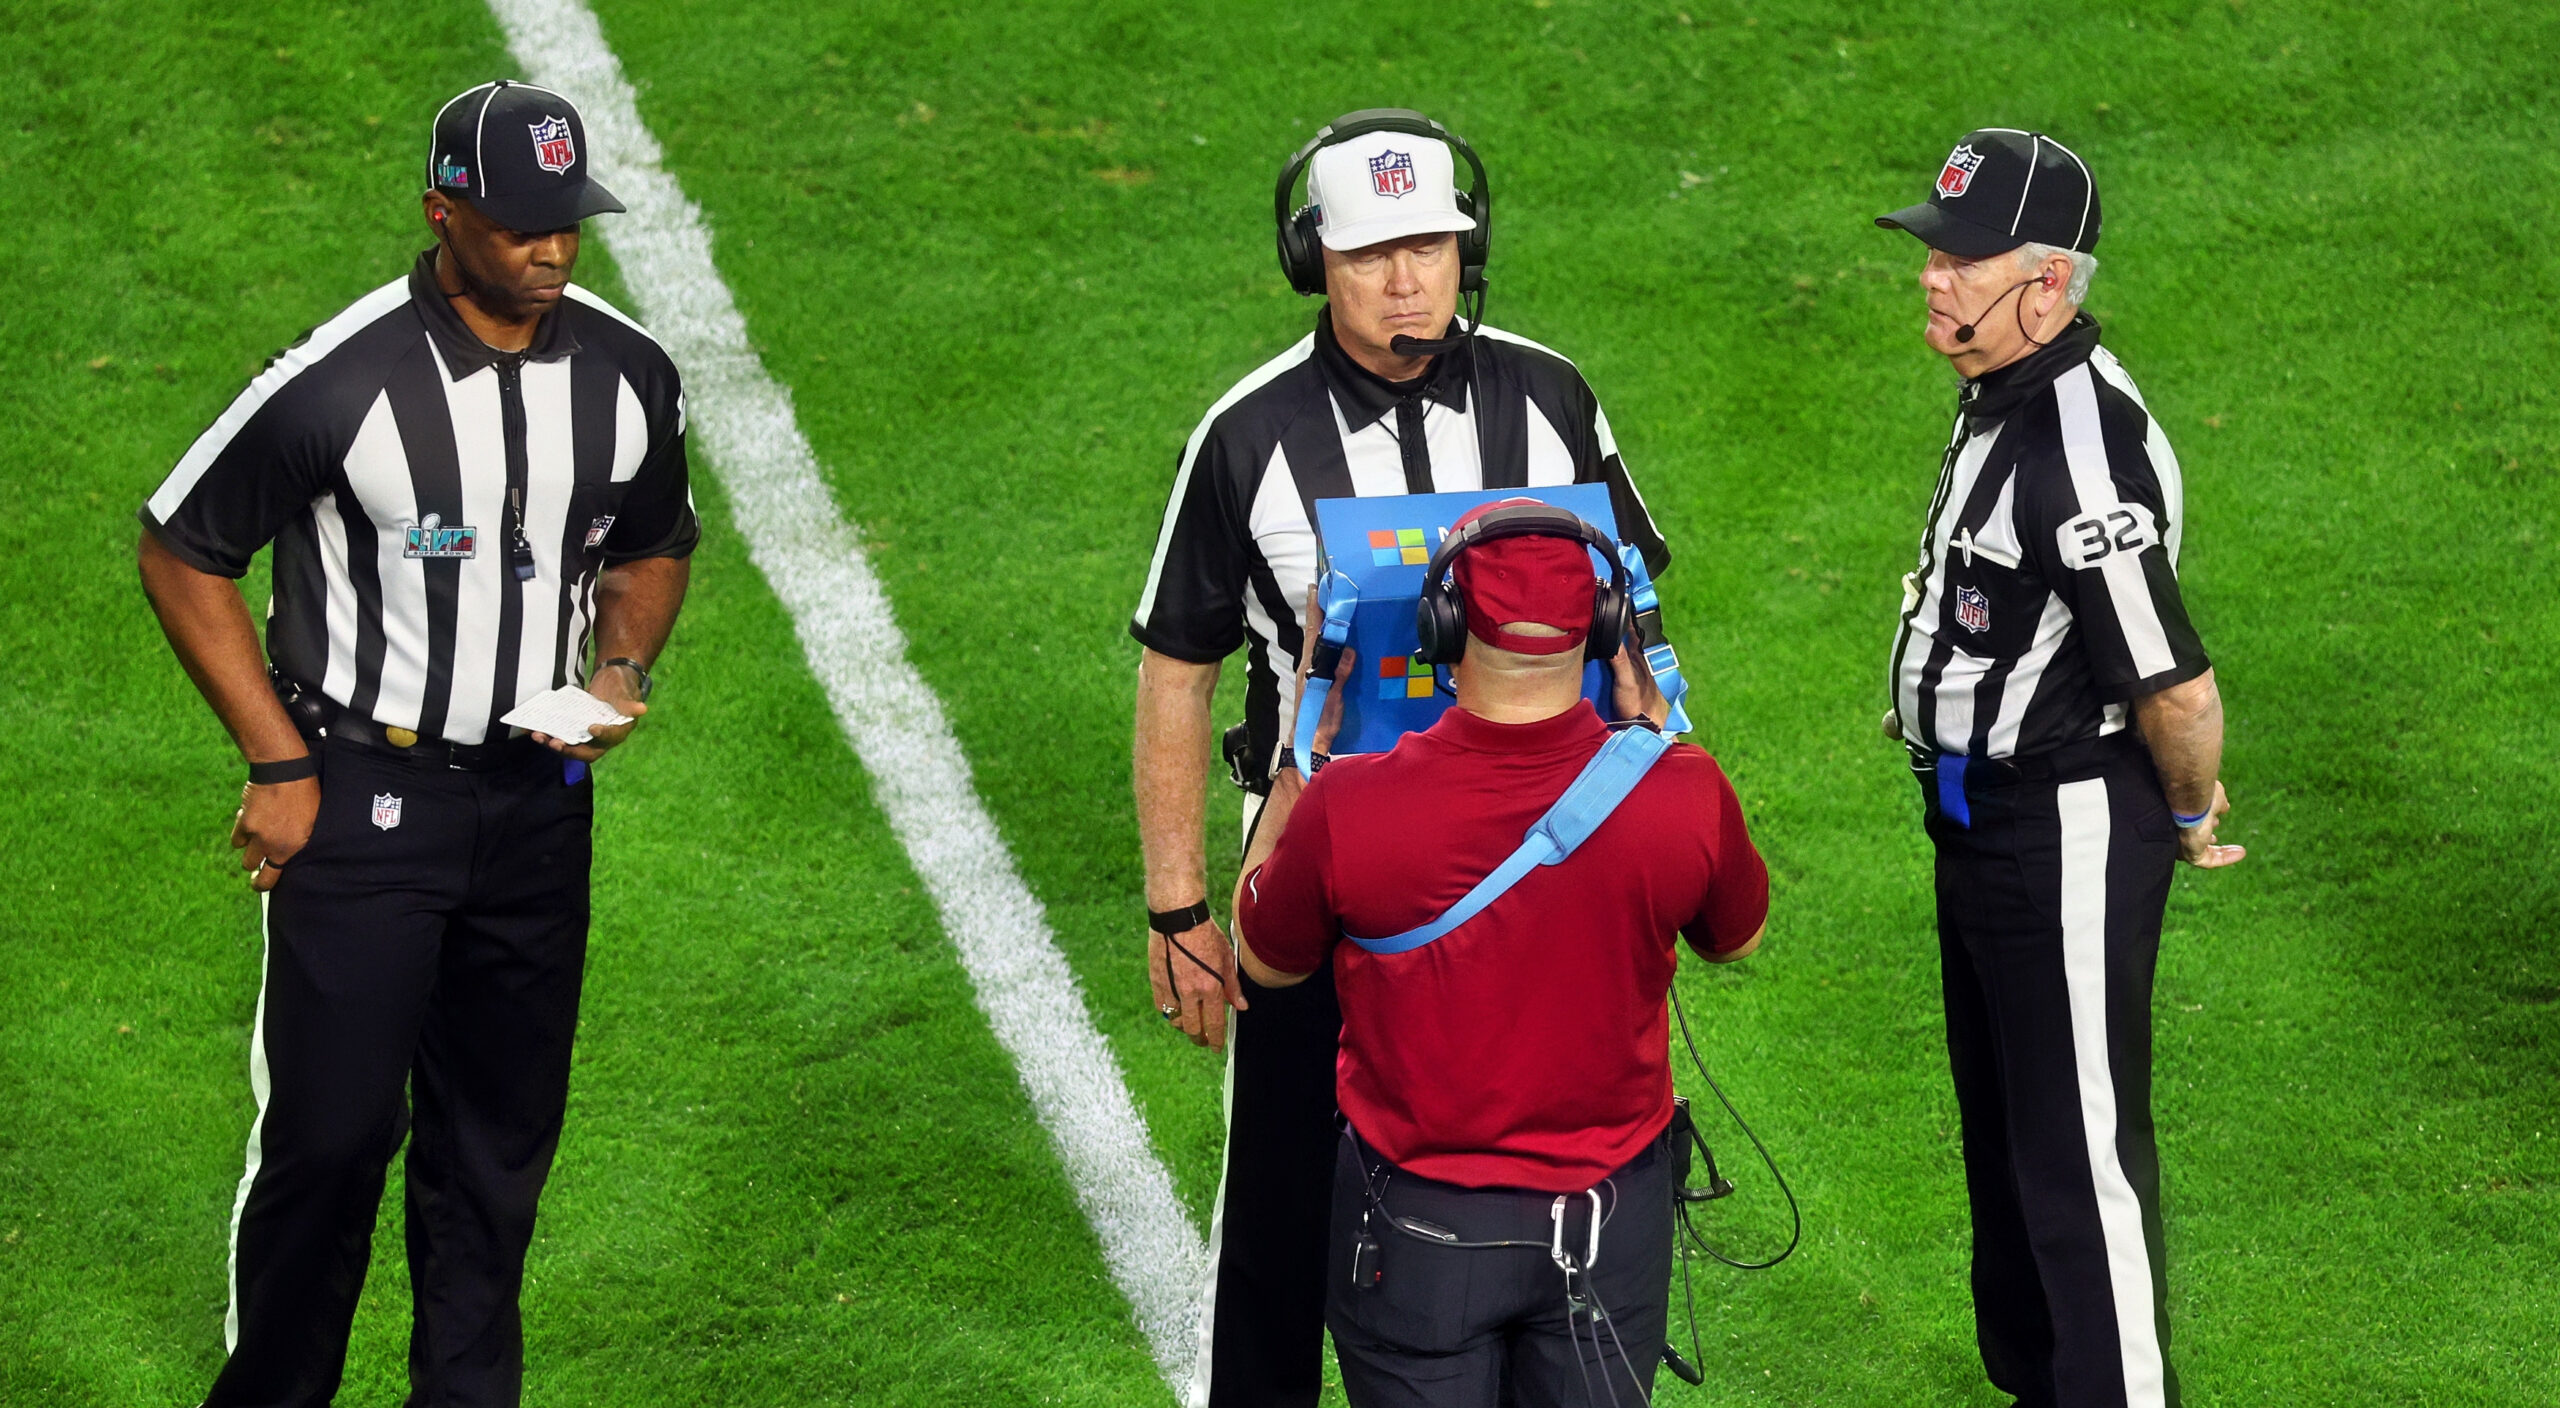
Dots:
pixel 2092 538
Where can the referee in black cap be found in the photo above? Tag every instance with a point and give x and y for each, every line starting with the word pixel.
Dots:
pixel 2065 728
pixel 474 480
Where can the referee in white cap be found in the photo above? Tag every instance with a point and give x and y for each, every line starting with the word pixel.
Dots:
pixel 2064 725
pixel 1397 390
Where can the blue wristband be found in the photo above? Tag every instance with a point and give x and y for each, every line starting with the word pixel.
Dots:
pixel 2189 823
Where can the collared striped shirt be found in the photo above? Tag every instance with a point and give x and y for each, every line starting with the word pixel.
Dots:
pixel 439 509
pixel 2046 598
pixel 1237 550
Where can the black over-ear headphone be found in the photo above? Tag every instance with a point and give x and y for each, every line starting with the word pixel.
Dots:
pixel 1302 256
pixel 1440 615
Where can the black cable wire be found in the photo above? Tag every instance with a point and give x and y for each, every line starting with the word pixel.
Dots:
pixel 1598 1319
pixel 1173 946
pixel 1572 1330
pixel 1794 1211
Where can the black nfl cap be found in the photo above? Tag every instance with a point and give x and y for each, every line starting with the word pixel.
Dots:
pixel 2001 188
pixel 519 154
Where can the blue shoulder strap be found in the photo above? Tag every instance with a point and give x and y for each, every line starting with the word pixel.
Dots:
pixel 1658 657
pixel 1605 781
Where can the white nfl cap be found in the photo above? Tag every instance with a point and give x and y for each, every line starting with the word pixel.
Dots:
pixel 1384 186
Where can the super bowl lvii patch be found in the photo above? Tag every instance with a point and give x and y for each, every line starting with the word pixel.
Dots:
pixel 428 537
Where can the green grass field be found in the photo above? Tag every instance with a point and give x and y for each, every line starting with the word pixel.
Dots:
pixel 1004 257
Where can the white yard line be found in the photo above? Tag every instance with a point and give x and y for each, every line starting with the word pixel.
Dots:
pixel 815 562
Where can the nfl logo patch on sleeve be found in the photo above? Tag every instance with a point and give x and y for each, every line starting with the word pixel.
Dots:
pixel 386 810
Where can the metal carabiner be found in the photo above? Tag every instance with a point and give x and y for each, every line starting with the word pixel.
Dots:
pixel 1555 1243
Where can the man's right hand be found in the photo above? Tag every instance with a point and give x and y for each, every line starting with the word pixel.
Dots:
pixel 273 825
pixel 1198 994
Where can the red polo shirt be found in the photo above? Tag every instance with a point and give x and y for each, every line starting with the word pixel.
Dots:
pixel 1530 1047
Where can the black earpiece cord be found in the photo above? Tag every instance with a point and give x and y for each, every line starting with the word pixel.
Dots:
pixel 1173 946
pixel 1794 1212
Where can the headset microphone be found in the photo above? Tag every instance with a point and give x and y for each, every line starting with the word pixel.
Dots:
pixel 1404 346
pixel 1965 332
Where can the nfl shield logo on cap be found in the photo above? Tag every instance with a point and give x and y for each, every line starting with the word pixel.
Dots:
pixel 1391 173
pixel 552 150
pixel 1958 174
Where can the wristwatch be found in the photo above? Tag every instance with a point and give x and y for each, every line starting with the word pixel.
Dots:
pixel 638 671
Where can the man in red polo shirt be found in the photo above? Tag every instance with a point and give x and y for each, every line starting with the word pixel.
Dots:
pixel 1511 1081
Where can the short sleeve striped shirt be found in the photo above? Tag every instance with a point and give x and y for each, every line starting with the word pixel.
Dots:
pixel 1237 549
pixel 2046 598
pixel 439 509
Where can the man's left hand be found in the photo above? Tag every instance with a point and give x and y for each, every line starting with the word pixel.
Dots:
pixel 1634 691
pixel 2196 845
pixel 614 685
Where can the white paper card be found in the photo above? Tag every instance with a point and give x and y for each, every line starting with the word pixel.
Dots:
pixel 568 713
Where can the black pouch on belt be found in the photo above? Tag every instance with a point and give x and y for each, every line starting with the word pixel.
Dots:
pixel 1243 768
pixel 311 711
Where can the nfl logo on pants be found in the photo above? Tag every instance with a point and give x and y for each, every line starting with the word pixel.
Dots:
pixel 386 810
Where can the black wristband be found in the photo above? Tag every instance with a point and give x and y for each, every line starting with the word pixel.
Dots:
pixel 284 770
pixel 638 671
pixel 1170 922
pixel 1289 762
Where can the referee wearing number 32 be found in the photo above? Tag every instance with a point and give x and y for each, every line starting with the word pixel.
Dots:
pixel 473 477
pixel 2065 728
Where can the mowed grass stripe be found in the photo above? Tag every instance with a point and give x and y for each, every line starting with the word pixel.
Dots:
pixel 815 562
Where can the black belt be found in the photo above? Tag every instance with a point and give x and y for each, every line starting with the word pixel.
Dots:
pixel 2088 755
pixel 463 757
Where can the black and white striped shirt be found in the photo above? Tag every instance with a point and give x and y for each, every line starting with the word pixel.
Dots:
pixel 1238 547
pixel 2046 598
pixel 378 454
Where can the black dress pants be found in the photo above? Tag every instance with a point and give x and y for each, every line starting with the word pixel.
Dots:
pixel 1262 1320
pixel 2049 910
pixel 1469 1327
pixel 423 960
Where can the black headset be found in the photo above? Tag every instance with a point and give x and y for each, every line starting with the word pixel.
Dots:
pixel 1440 615
pixel 1302 256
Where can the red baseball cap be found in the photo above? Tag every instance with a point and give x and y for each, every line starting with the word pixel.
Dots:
pixel 1543 578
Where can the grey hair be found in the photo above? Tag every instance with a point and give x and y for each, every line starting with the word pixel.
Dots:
pixel 2084 267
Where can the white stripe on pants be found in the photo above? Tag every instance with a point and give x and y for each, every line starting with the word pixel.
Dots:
pixel 2085 828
